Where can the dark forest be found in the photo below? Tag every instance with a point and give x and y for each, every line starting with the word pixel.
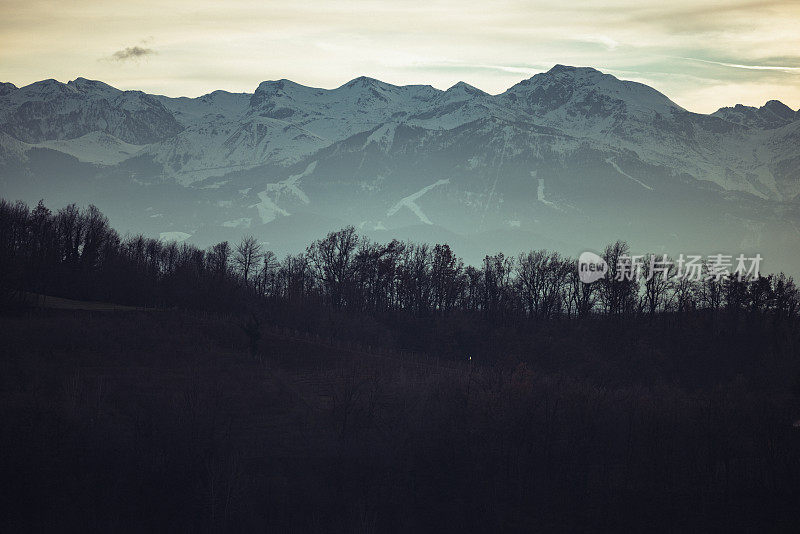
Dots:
pixel 368 387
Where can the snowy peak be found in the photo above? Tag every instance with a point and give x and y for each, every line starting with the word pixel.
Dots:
pixel 52 90
pixel 45 89
pixel 364 91
pixel 50 110
pixel 77 88
pixel 93 88
pixel 367 82
pixel 215 106
pixel 219 95
pixel 281 95
pixel 460 104
pixel 283 123
pixel 466 90
pixel 587 92
pixel 368 93
pixel 771 115
pixel 356 104
pixel 567 69
pixel 282 87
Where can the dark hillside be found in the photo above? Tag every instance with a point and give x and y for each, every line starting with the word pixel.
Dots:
pixel 170 420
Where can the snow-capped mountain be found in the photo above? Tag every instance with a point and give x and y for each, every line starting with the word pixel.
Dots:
pixel 50 110
pixel 569 158
pixel 773 114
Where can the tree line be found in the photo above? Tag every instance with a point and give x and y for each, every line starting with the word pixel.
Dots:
pixel 74 253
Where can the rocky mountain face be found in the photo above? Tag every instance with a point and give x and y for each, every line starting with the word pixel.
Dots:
pixel 771 115
pixel 50 110
pixel 568 159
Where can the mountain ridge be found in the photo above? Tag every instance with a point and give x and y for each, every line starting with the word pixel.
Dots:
pixel 541 157
pixel 556 69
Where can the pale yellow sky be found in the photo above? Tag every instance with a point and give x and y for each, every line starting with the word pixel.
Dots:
pixel 702 54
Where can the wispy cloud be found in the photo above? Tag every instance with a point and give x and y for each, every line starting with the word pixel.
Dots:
pixel 132 52
pixel 604 40
pixel 461 66
pixel 748 67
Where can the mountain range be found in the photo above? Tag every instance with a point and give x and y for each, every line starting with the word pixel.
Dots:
pixel 569 159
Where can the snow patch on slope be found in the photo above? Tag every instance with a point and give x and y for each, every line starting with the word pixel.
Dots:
pixel 540 192
pixel 291 185
pixel 267 209
pixel 94 147
pixel 383 136
pixel 625 174
pixel 410 202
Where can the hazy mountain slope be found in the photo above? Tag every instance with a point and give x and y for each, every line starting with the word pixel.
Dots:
pixel 570 158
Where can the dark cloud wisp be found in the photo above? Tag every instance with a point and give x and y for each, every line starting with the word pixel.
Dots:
pixel 132 52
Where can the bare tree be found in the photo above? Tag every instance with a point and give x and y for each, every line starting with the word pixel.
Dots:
pixel 498 287
pixel 332 261
pixel 248 254
pixel 541 281
pixel 414 279
pixel 658 281
pixel 786 302
pixel 219 258
pixel 684 293
pixel 446 277
pixel 618 289
pixel 582 297
pixel 268 274
pixel 711 290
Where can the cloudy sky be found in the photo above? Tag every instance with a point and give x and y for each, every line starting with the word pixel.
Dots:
pixel 703 54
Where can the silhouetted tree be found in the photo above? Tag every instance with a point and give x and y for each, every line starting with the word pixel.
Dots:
pixel 248 255
pixel 331 259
